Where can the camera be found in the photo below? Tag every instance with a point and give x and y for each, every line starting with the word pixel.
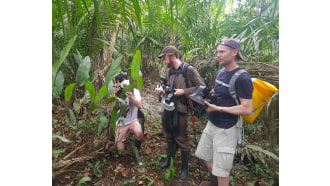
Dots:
pixel 202 93
pixel 122 78
pixel 166 96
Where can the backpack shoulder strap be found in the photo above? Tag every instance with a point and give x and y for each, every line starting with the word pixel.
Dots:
pixel 184 73
pixel 232 82
pixel 218 81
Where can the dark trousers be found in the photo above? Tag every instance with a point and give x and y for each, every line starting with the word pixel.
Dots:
pixel 182 140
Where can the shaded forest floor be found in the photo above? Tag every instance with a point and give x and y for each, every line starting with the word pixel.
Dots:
pixel 109 167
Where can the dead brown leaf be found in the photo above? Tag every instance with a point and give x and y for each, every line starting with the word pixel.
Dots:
pixel 87 174
pixel 122 170
pixel 125 153
pixel 141 170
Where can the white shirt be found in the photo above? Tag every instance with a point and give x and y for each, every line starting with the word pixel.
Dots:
pixel 132 110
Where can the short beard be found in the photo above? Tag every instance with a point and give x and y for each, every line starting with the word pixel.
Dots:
pixel 170 64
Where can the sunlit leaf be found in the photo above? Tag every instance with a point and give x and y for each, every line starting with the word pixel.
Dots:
pixel 103 90
pixel 90 88
pixel 135 66
pixel 61 138
pixel 113 69
pixel 83 180
pixel 68 91
pixel 64 54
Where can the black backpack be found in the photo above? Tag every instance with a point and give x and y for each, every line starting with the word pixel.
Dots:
pixel 184 74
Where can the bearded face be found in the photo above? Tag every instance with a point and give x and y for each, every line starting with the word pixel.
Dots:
pixel 167 61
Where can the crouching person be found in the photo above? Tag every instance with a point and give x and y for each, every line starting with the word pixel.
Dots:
pixel 129 122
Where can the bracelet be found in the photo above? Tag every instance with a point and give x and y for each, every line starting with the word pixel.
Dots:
pixel 221 109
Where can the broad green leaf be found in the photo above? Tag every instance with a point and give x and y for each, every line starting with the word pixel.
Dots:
pixel 93 107
pixel 75 106
pixel 78 58
pixel 97 163
pixel 72 117
pixel 57 89
pixel 102 123
pixel 87 62
pixel 140 83
pixel 64 53
pixel 111 99
pixel 111 88
pixel 61 138
pixel 78 133
pixel 114 118
pixel 90 164
pixel 135 66
pixel 113 69
pixel 80 123
pixel 82 75
pixel 120 100
pixel 83 180
pixel 91 90
pixel 68 91
pixel 102 92
pixel 129 87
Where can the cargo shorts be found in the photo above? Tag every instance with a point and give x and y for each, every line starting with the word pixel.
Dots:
pixel 218 145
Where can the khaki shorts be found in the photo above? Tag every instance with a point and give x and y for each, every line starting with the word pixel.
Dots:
pixel 218 146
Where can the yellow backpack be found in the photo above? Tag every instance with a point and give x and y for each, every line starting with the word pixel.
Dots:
pixel 262 94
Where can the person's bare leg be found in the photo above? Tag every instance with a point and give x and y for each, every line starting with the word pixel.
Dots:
pixel 223 181
pixel 209 165
pixel 120 146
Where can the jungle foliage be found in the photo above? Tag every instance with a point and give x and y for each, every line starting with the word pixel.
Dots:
pixel 92 40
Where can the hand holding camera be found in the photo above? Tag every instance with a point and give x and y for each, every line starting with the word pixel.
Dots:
pixel 204 99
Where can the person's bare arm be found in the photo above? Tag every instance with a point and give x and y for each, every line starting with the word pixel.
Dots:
pixel 133 100
pixel 243 109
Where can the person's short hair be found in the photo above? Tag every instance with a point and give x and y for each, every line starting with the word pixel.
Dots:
pixel 169 50
pixel 233 43
pixel 180 55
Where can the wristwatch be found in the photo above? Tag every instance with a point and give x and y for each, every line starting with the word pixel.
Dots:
pixel 221 110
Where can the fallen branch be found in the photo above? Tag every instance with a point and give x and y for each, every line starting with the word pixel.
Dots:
pixel 74 151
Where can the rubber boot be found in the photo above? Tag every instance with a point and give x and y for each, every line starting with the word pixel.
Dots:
pixel 138 146
pixel 160 133
pixel 184 166
pixel 170 154
pixel 213 182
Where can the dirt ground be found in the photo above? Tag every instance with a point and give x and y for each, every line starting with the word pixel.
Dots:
pixel 109 167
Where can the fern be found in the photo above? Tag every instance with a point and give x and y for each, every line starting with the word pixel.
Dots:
pixel 266 152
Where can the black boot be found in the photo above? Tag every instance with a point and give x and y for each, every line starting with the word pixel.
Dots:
pixel 170 154
pixel 160 133
pixel 184 166
pixel 138 146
